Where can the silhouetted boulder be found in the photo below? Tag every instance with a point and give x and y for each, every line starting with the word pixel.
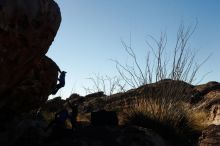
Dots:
pixel 27 29
pixel 34 90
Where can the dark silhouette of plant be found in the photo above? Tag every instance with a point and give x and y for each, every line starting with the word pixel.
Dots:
pixel 180 65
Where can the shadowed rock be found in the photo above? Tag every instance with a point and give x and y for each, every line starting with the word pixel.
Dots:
pixel 27 29
pixel 34 90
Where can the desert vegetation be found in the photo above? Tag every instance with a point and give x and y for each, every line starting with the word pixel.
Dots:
pixel 161 63
pixel 176 122
pixel 165 110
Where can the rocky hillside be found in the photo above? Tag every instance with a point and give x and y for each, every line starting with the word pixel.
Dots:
pixel 205 96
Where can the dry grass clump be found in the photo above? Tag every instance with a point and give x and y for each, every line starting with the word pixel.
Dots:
pixel 173 120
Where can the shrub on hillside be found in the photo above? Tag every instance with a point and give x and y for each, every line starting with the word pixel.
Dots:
pixel 173 120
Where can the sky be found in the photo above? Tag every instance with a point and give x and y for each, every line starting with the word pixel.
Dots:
pixel 92 31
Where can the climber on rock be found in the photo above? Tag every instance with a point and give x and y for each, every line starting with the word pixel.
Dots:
pixel 61 80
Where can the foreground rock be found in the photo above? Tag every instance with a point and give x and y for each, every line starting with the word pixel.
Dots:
pixel 30 131
pixel 27 29
pixel 22 128
pixel 108 136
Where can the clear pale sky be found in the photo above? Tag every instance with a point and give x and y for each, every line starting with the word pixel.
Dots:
pixel 91 32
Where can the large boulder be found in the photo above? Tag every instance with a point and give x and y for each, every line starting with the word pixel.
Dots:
pixel 34 90
pixel 27 29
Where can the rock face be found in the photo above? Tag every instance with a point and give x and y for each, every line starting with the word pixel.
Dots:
pixel 211 103
pixel 205 91
pixel 34 90
pixel 206 88
pixel 27 29
pixel 215 114
pixel 210 136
